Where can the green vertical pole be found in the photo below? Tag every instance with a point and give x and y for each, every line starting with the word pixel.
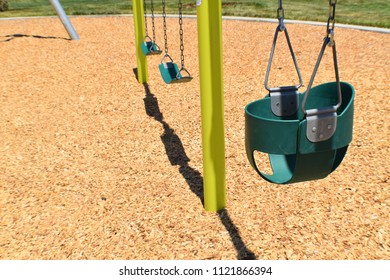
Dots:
pixel 139 30
pixel 209 16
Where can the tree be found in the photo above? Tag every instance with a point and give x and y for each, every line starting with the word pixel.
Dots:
pixel 3 5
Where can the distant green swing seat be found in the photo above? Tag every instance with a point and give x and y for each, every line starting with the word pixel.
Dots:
pixel 171 73
pixel 169 70
pixel 149 47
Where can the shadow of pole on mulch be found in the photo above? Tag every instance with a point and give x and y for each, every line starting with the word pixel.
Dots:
pixel 14 36
pixel 177 156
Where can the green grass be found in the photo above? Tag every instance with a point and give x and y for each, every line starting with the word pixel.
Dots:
pixel 360 12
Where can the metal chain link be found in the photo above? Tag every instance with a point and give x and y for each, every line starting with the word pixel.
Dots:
pixel 164 15
pixel 331 21
pixel 328 41
pixel 281 28
pixel 146 20
pixel 153 27
pixel 180 5
pixel 281 16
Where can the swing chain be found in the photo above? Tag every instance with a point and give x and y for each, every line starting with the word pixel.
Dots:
pixel 281 28
pixel 331 21
pixel 146 20
pixel 180 5
pixel 328 41
pixel 153 27
pixel 165 27
pixel 280 14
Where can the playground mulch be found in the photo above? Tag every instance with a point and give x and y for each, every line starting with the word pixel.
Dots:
pixel 94 165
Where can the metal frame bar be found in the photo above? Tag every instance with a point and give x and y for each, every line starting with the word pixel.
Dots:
pixel 139 30
pixel 209 20
pixel 64 19
pixel 209 17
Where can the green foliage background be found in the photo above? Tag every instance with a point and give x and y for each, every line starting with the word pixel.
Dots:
pixel 360 12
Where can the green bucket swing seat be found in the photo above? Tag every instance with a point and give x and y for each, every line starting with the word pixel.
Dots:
pixel 293 155
pixel 306 144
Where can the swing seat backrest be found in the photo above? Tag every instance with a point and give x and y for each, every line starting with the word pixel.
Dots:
pixel 284 100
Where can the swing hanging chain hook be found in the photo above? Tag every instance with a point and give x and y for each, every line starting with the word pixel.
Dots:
pixel 281 28
pixel 280 14
pixel 331 22
pixel 337 76
pixel 165 57
pixel 181 76
pixel 268 71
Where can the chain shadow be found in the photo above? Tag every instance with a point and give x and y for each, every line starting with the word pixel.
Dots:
pixel 177 156
pixel 14 36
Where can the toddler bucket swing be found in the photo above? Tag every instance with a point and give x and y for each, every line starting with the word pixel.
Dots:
pixel 149 46
pixel 169 70
pixel 302 144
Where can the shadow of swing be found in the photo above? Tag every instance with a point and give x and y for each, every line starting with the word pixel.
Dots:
pixel 14 36
pixel 177 156
pixel 174 147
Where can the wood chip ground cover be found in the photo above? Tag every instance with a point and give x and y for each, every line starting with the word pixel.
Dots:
pixel 95 166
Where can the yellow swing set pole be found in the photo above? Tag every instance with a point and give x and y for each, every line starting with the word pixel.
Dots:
pixel 139 30
pixel 209 20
